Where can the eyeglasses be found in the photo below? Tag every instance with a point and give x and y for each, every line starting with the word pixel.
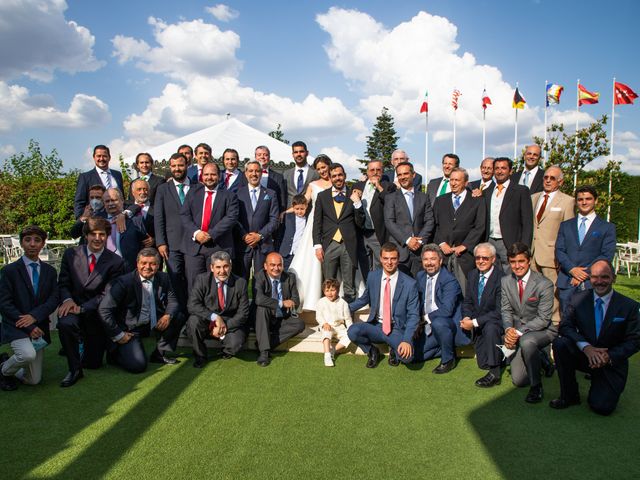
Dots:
pixel 549 177
pixel 483 259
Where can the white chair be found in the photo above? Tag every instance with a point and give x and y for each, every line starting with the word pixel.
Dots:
pixel 630 257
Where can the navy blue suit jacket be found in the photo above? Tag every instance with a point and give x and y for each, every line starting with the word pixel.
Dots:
pixel 289 233
pixel 192 174
pixel 87 180
pixel 264 220
pixel 131 241
pixel 489 308
pixel 404 306
pixel 599 244
pixel 18 298
pixel 224 215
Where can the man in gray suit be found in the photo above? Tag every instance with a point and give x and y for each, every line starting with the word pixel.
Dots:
pixel 527 304
pixel 299 177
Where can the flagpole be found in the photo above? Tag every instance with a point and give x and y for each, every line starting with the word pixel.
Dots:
pixel 575 170
pixel 546 106
pixel 515 135
pixel 484 130
pixel 426 146
pixel 454 130
pixel 613 111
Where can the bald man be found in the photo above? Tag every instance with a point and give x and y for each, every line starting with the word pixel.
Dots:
pixel 531 176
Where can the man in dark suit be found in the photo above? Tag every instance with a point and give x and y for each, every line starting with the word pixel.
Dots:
pixel 373 233
pixel 598 334
pixel 28 295
pixel 136 305
pixel 167 225
pixel 294 225
pixel 398 157
pixel 142 200
pixel 527 305
pixel 581 241
pixel 460 223
pixel 276 302
pixel 486 177
pixel 509 212
pixel 270 178
pixel 232 177
pixel 393 315
pixel 532 175
pixel 481 313
pixel 408 218
pixel 440 301
pixel 336 218
pixel 187 152
pixel 440 185
pixel 208 218
pixel 95 208
pixel 257 220
pixel 203 157
pixel 218 308
pixel 101 175
pixel 299 176
pixel 144 167
pixel 128 243
pixel 85 272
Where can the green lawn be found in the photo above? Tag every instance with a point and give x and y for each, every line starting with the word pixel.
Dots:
pixel 299 419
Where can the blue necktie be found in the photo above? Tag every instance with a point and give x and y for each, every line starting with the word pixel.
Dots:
pixel 254 198
pixel 526 178
pixel 35 276
pixel 599 314
pixel 582 230
pixel 481 287
pixel 300 181
pixel 408 196
pixel 456 202
pixel 340 198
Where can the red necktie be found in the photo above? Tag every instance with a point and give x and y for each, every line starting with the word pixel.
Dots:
pixel 221 295
pixel 92 263
pixel 206 215
pixel 386 308
pixel 520 289
pixel 542 207
pixel 226 180
pixel 264 171
pixel 200 176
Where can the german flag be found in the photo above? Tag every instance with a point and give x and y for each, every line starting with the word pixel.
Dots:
pixel 518 100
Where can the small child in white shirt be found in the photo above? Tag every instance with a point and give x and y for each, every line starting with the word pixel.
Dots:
pixel 334 318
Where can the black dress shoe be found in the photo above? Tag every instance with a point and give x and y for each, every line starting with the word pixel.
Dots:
pixel 200 362
pixel 534 395
pixel 374 357
pixel 264 359
pixel 561 403
pixel 71 378
pixel 548 367
pixel 393 358
pixel 157 357
pixel 445 367
pixel 8 383
pixel 488 381
pixel 225 356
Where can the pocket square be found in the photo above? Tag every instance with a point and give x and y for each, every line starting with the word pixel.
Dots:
pixel 556 209
pixel 595 234
pixel 618 319
pixel 532 299
pixel 267 197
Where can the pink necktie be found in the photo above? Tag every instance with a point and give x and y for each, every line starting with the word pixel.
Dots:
pixel 386 308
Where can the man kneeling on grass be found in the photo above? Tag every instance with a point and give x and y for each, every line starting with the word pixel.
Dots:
pixel 137 304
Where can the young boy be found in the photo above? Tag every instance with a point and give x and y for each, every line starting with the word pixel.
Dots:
pixel 28 295
pixel 294 223
pixel 334 318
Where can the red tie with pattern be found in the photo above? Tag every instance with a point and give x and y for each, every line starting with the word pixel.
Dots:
pixel 206 215
pixel 92 263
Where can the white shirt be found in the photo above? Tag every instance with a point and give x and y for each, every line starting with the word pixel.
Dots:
pixel 590 218
pixel 234 176
pixel 532 174
pixel 541 201
pixel 383 283
pixel 367 198
pixel 185 189
pixel 496 207
pixel 301 222
pixel 103 174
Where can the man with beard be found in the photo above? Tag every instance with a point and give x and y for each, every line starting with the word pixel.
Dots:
pixel 299 176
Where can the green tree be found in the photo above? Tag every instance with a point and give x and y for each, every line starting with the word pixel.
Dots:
pixel 278 135
pixel 382 141
pixel 33 164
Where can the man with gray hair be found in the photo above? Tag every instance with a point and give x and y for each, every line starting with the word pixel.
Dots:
pixel 398 157
pixel 481 313
pixel 219 308
pixel 486 177
pixel 270 178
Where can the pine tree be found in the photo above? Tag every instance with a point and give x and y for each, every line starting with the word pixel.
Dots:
pixel 382 141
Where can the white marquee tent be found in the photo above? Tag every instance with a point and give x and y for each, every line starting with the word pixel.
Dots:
pixel 231 133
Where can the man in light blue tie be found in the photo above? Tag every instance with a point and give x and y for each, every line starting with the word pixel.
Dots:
pixel 581 241
pixel 599 332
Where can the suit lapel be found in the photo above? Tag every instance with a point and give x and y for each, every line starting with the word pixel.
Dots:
pixel 397 294
pixel 25 277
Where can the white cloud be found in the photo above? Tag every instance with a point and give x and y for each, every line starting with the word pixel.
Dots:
pixel 222 12
pixel 19 109
pixel 185 49
pixel 37 40
pixel 348 161
pixel 7 150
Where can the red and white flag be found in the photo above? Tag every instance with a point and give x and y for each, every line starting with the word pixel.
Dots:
pixel 485 99
pixel 623 94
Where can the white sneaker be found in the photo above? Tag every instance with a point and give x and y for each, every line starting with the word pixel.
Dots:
pixel 328 361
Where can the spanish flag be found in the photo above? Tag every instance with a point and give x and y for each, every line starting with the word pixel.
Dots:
pixel 587 97
pixel 518 100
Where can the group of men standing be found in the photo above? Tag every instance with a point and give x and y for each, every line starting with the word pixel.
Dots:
pixel 498 262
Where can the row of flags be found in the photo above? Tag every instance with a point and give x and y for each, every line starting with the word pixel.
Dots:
pixel 623 95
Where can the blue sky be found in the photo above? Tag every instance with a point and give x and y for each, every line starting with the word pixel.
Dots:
pixel 136 74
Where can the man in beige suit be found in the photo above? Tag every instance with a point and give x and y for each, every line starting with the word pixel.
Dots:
pixel 551 207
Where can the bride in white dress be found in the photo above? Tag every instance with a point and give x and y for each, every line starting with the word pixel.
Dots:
pixel 305 265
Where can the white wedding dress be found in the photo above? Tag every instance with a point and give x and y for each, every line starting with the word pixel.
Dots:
pixel 305 265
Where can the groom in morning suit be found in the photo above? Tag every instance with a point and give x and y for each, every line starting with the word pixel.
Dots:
pixel 394 311
pixel 599 332
pixel 335 240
